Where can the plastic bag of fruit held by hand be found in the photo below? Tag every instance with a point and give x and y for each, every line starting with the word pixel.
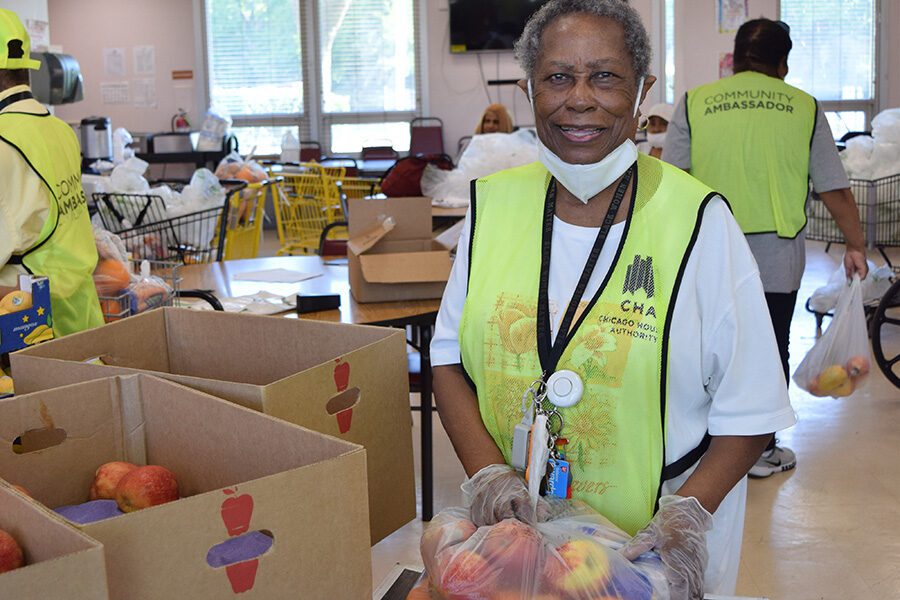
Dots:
pixel 838 363
pixel 571 557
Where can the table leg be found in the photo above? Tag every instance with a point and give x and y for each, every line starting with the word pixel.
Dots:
pixel 425 402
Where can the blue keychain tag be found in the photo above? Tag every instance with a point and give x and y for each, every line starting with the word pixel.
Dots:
pixel 559 479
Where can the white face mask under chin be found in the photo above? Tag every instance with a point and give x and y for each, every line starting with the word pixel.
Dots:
pixel 586 181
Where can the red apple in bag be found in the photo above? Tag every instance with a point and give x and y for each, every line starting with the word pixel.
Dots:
pixel 145 487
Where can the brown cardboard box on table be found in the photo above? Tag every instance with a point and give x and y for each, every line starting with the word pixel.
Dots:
pixel 60 562
pixel 397 259
pixel 239 473
pixel 306 372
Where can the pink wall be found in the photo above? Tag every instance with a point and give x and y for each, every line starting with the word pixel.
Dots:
pixel 698 42
pixel 86 27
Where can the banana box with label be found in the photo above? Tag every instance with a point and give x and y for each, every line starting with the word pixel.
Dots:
pixel 25 317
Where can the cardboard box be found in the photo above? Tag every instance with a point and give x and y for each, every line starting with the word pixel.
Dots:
pixel 32 325
pixel 239 472
pixel 298 370
pixel 391 252
pixel 60 562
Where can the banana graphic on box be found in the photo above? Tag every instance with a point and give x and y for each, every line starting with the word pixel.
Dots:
pixel 41 333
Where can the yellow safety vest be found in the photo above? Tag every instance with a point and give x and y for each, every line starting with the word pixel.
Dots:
pixel 750 140
pixel 65 251
pixel 616 433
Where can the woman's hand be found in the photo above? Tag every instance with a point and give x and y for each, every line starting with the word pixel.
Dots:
pixel 498 492
pixel 678 533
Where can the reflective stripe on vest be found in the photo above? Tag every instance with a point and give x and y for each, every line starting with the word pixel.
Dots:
pixel 65 251
pixel 616 432
pixel 750 140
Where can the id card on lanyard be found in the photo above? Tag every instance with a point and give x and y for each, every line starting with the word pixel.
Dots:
pixel 535 438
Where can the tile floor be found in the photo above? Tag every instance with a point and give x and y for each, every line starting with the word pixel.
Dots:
pixel 828 529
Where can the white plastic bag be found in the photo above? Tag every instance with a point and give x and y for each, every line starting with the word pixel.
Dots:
pixel 212 133
pixel 874 287
pixel 485 154
pixel 838 363
pixel 290 147
pixel 121 151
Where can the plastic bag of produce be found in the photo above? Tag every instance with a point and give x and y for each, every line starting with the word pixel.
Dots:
pixel 574 556
pixel 839 361
pixel 234 166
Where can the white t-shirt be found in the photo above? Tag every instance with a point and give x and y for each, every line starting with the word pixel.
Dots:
pixel 725 373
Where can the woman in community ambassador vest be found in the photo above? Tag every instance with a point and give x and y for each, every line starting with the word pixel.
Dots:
pixel 44 224
pixel 619 275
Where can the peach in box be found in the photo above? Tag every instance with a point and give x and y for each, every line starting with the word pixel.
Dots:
pixel 107 478
pixel 145 487
pixel 10 553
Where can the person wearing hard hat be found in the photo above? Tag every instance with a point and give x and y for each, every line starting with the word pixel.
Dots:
pixel 44 224
pixel 656 122
pixel 762 142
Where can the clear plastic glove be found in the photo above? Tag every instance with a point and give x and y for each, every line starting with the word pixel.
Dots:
pixel 678 533
pixel 498 492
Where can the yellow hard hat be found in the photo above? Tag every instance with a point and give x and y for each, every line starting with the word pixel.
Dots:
pixel 15 46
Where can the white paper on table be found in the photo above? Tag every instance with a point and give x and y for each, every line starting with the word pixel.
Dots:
pixel 275 276
pixel 260 303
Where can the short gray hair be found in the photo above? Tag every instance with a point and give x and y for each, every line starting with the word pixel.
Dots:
pixel 636 38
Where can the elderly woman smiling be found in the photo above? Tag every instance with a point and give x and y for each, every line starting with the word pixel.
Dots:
pixel 620 292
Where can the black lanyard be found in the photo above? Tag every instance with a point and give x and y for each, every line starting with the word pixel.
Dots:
pixel 551 353
pixel 15 98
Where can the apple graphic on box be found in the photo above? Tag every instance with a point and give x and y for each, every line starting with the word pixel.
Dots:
pixel 236 512
pixel 145 487
pixel 107 477
pixel 11 556
pixel 341 375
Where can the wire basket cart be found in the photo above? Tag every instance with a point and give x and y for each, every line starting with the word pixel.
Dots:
pixel 300 212
pixel 151 232
pixel 244 219
pixel 879 212
pixel 144 296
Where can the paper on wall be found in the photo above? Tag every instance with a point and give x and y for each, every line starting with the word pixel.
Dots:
pixel 145 93
pixel 114 62
pixel 116 92
pixel 144 60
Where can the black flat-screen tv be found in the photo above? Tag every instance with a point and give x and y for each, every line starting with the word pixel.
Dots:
pixel 484 25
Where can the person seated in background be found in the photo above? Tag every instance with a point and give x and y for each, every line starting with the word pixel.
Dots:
pixel 656 121
pixel 495 119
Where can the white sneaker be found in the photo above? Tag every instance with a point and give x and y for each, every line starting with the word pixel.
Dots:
pixel 773 461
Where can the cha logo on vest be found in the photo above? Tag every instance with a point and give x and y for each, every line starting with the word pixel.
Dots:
pixel 639 276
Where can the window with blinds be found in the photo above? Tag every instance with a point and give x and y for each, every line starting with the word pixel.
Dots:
pixel 254 57
pixel 368 70
pixel 361 61
pixel 834 47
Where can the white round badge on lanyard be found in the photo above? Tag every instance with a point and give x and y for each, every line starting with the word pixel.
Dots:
pixel 564 388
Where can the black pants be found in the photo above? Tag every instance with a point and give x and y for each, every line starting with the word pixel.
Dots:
pixel 781 311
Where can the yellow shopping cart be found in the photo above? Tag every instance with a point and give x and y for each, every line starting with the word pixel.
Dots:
pixel 301 211
pixel 244 219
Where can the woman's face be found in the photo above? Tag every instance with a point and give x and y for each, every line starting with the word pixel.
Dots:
pixel 490 123
pixel 584 88
pixel 657 125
